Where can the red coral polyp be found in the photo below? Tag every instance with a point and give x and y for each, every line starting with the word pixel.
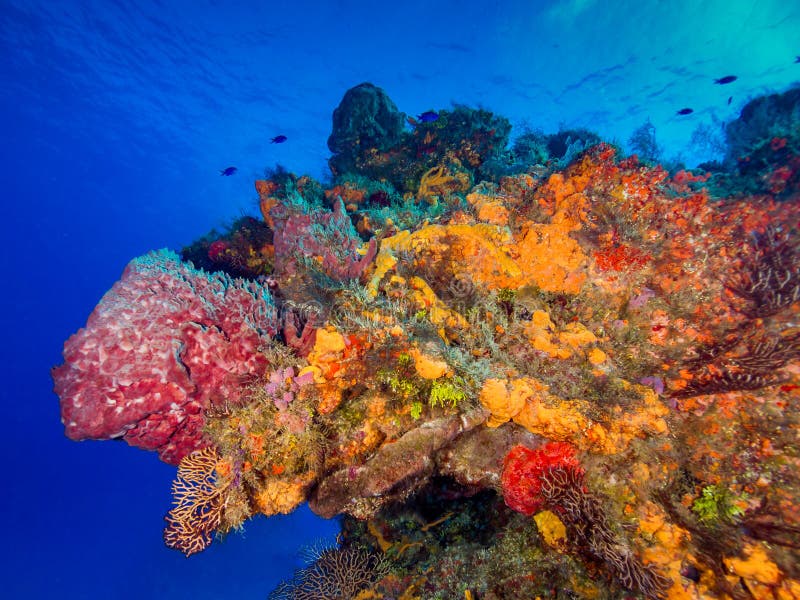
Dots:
pixel 620 258
pixel 217 249
pixel 525 471
pixel 777 144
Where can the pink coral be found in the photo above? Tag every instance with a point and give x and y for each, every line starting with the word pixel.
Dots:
pixel 165 344
pixel 323 238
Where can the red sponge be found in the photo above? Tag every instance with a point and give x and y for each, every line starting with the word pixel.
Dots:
pixel 524 470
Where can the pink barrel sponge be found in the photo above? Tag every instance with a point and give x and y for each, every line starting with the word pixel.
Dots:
pixel 166 343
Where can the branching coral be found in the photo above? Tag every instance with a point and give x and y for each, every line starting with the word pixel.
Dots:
pixel 199 503
pixel 335 574
pixel 720 368
pixel 769 280
pixel 439 181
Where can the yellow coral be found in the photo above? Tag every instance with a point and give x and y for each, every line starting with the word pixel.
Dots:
pixel 488 256
pixel 576 335
pixel 647 419
pixel 538 331
pixel 789 590
pixel 438 181
pixel 541 320
pixel 427 367
pixel 551 528
pixel 329 347
pixel 596 356
pixel 438 313
pixel 552 418
pixel 558 419
pixel 668 552
pixel 327 360
pixel 282 496
pixel 757 566
pixel 489 209
pixel 475 250
pixel 550 258
pixel 504 399
pixel 328 343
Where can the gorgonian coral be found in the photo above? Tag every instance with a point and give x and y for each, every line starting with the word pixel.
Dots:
pixel 199 503
pixel 334 574
pixel 734 363
pixel 769 279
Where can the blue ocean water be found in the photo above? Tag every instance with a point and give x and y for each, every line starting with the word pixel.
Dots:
pixel 115 119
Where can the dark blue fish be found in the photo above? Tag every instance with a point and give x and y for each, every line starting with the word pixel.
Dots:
pixel 797 59
pixel 729 99
pixel 279 139
pixel 726 79
pixel 229 171
pixel 428 116
pixel 685 111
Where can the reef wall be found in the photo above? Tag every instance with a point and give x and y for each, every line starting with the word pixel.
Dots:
pixel 574 377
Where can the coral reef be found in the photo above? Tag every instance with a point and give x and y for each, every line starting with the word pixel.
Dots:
pixel 369 139
pixel 325 239
pixel 246 250
pixel 550 477
pixel 578 378
pixel 762 149
pixel 366 119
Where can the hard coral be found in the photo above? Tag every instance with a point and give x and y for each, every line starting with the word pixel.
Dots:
pixel 365 118
pixel 165 344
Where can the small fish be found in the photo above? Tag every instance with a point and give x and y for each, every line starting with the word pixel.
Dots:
pixel 428 116
pixel 729 99
pixel 412 121
pixel 685 111
pixel 228 171
pixel 797 59
pixel 726 79
pixel 279 139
